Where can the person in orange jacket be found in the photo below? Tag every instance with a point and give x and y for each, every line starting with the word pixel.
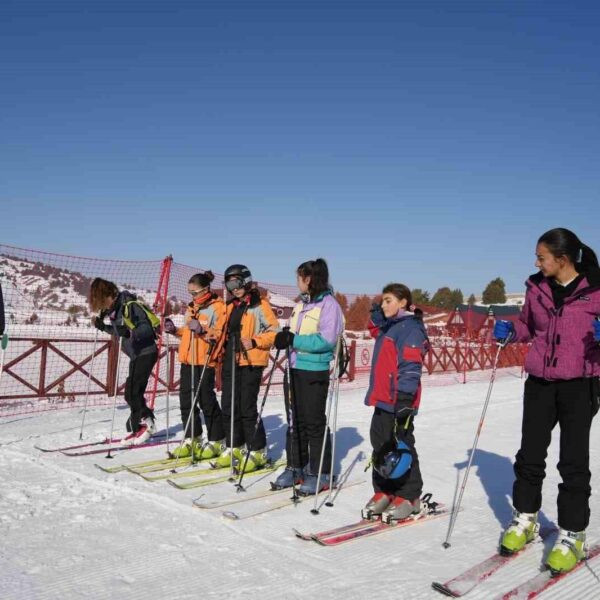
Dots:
pixel 203 327
pixel 250 331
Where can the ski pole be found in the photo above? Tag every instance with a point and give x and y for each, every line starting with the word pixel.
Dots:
pixel 231 429
pixel 3 346
pixel 501 345
pixel 89 381
pixel 195 401
pixel 112 423
pixel 328 500
pixel 239 486
pixel 192 398
pixel 315 510
pixel 292 423
pixel 167 379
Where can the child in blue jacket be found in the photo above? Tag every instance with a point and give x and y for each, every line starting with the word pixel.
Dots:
pixel 394 392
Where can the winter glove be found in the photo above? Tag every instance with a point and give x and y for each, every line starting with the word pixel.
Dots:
pixel 123 331
pixel 377 316
pixel 170 327
pixel 99 323
pixel 597 329
pixel 284 339
pixel 404 405
pixel 504 331
pixel 194 326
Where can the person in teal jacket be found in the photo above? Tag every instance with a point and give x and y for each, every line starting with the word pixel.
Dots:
pixel 315 326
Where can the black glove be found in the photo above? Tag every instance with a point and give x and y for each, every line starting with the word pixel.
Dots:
pixel 284 339
pixel 99 323
pixel 404 405
pixel 377 316
pixel 123 331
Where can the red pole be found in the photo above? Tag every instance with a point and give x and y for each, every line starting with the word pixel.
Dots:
pixel 160 304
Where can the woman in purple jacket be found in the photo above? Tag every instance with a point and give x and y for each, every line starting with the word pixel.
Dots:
pixel 559 317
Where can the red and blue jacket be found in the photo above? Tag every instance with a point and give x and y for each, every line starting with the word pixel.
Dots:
pixel 401 343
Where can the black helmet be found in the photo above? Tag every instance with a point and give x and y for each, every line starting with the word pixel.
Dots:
pixel 241 273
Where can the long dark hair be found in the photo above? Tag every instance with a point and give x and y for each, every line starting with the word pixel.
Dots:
pixel 318 272
pixel 563 242
pixel 401 292
pixel 202 279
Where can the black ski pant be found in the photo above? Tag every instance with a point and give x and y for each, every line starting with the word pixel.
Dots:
pixel 247 387
pixel 140 369
pixel 571 403
pixel 206 401
pixel 410 485
pixel 307 420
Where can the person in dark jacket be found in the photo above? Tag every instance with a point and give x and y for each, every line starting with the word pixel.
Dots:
pixel 130 320
pixel 562 303
pixel 394 392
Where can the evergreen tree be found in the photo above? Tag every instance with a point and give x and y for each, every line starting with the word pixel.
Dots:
pixel 495 292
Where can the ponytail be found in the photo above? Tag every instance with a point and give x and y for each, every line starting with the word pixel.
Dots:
pixel 563 242
pixel 318 271
pixel 202 279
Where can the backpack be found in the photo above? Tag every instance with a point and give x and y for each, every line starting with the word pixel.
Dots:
pixel 343 357
pixel 154 320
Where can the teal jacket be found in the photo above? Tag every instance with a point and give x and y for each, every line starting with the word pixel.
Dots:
pixel 316 325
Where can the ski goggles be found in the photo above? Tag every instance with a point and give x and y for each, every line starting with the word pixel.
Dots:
pixel 195 293
pixel 233 284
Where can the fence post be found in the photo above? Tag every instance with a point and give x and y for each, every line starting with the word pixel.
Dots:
pixel 111 366
pixel 352 365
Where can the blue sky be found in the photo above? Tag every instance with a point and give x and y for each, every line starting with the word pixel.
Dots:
pixel 423 142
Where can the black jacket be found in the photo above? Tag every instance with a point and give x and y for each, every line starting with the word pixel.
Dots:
pixel 140 340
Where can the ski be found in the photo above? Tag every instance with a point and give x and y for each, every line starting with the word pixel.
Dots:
pixel 169 474
pixel 281 504
pixel 149 444
pixel 212 480
pixel 366 528
pixel 542 581
pixel 462 584
pixel 157 463
pixel 76 446
pixel 104 441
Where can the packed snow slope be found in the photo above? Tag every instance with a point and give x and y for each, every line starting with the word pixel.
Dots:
pixel 71 531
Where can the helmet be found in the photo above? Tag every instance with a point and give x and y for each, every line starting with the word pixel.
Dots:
pixel 393 460
pixel 239 276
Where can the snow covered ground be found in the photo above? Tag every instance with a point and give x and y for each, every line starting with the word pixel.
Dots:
pixel 70 531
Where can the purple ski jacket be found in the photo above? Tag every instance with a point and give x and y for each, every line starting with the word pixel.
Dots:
pixel 563 345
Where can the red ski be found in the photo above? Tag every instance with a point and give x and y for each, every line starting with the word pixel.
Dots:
pixel 366 528
pixel 542 581
pixel 149 444
pixel 472 577
pixel 105 441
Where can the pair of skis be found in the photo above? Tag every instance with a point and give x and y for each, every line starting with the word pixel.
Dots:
pixel 368 528
pixel 91 448
pixel 281 501
pixel 462 584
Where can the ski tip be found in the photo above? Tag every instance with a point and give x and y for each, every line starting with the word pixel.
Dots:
pixel 230 515
pixel 440 587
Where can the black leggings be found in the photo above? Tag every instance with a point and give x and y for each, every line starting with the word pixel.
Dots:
pixel 140 369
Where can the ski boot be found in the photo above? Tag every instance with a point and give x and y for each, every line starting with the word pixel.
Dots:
pixel 522 530
pixel 142 435
pixel 376 505
pixel 257 459
pixel 400 508
pixel 209 450
pixel 224 459
pixel 569 549
pixel 288 478
pixel 310 487
pixel 185 450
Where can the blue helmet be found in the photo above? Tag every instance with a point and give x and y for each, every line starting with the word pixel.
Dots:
pixel 393 460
